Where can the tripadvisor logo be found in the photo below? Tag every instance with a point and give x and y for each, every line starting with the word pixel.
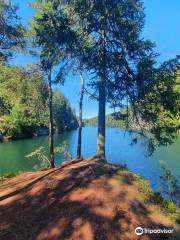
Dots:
pixel 139 231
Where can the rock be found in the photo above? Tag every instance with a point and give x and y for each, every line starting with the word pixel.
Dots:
pixel 1 138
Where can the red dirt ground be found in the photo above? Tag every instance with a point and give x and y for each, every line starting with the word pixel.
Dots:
pixel 82 200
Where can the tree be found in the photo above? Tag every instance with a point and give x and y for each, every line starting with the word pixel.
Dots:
pixel 44 40
pixel 158 104
pixel 24 103
pixel 33 95
pixel 52 43
pixel 80 117
pixel 51 128
pixel 113 30
pixel 11 31
pixel 171 187
pixel 104 36
pixel 23 95
pixel 64 117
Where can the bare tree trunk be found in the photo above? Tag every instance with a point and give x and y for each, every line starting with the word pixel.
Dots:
pixel 101 120
pixel 80 118
pixel 102 102
pixel 51 140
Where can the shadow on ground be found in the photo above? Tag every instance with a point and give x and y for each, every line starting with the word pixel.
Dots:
pixel 82 201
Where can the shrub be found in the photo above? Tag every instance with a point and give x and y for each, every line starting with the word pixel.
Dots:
pixel 171 188
pixel 171 207
pixel 156 198
pixel 7 176
pixel 42 154
pixel 143 186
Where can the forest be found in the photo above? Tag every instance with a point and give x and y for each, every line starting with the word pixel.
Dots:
pixel 24 103
pixel 113 120
pixel 93 194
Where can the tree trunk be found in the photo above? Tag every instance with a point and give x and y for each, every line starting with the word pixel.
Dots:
pixel 80 118
pixel 102 100
pixel 51 140
pixel 101 120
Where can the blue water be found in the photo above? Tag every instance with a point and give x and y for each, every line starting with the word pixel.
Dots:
pixel 118 150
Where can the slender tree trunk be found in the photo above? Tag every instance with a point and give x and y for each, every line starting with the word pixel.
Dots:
pixel 51 140
pixel 101 120
pixel 80 118
pixel 102 102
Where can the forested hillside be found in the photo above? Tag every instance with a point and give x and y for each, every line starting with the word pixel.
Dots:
pixel 114 120
pixel 24 103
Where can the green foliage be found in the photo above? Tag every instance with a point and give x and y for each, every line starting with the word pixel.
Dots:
pixel 23 93
pixel 156 198
pixel 171 207
pixel 42 154
pixel 13 124
pixel 6 176
pixel 11 31
pixel 143 186
pixel 63 149
pixel 178 219
pixel 24 103
pixel 64 117
pixel 171 187
pixel 114 120
pixel 168 205
pixel 104 37
pixel 50 30
pixel 158 106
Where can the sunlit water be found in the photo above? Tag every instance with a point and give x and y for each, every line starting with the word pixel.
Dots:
pixel 118 150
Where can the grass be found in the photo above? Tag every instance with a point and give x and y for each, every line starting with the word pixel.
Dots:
pixel 8 175
pixel 169 207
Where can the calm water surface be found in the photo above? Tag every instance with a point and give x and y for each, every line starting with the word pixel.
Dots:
pixel 118 150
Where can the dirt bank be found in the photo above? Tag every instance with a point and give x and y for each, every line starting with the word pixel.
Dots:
pixel 83 200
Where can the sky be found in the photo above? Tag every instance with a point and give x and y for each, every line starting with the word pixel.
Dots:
pixel 162 26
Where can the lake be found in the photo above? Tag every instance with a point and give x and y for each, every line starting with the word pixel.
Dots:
pixel 118 150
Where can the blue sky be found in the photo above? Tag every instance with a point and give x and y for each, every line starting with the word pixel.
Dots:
pixel 162 27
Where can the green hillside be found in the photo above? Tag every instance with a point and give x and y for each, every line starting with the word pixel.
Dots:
pixel 114 120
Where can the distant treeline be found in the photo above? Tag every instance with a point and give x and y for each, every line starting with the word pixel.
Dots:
pixel 24 103
pixel 114 120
